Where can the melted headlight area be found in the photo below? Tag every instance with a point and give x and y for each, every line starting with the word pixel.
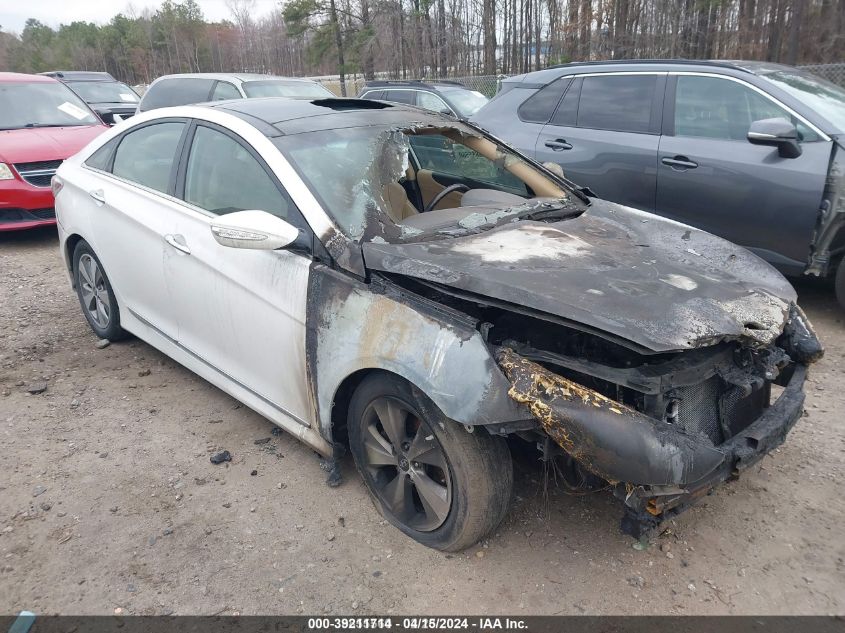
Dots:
pixel 664 429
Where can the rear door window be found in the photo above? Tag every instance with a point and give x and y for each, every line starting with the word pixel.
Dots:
pixel 176 91
pixel 145 156
pixel 622 103
pixel 400 96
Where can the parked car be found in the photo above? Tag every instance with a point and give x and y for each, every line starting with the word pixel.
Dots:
pixel 446 97
pixel 42 122
pixel 174 90
pixel 750 151
pixel 112 100
pixel 329 265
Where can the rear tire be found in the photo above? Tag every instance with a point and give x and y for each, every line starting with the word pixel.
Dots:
pixel 96 297
pixel 840 283
pixel 442 486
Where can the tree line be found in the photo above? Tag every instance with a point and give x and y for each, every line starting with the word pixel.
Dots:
pixel 428 38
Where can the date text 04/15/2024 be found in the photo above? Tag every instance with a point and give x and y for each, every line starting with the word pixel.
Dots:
pixel 422 623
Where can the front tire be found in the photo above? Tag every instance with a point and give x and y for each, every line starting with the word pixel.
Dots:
pixel 840 283
pixel 439 484
pixel 96 297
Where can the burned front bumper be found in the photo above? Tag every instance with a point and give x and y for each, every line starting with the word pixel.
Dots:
pixel 647 506
pixel 655 468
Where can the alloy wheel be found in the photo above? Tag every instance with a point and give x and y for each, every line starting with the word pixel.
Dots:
pixel 407 464
pixel 95 296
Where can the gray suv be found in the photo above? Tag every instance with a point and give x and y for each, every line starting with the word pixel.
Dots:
pixel 751 151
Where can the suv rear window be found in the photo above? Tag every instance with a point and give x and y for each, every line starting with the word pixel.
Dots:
pixel 176 91
pixel 617 102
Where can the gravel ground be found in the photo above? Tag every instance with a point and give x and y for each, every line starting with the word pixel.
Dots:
pixel 109 500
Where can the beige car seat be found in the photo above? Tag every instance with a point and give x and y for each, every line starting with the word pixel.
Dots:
pixel 399 207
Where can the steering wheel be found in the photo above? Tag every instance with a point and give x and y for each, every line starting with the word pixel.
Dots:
pixel 436 199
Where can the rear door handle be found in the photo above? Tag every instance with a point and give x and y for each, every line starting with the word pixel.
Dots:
pixel 98 195
pixel 178 242
pixel 558 144
pixel 679 162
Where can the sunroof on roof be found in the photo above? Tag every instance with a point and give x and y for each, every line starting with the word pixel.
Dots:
pixel 351 104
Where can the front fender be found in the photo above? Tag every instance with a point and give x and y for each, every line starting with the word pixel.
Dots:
pixel 353 326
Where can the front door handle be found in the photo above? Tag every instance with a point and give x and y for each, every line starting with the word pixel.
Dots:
pixel 178 242
pixel 98 196
pixel 679 162
pixel 558 144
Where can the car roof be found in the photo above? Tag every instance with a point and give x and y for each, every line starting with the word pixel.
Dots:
pixel 634 65
pixel 240 77
pixel 280 116
pixel 24 78
pixel 79 75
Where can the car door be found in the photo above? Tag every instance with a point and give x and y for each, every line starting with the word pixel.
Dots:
pixel 130 187
pixel 240 311
pixel 711 177
pixel 605 135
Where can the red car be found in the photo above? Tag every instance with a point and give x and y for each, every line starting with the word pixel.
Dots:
pixel 42 122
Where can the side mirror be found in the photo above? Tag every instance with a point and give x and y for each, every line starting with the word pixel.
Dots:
pixel 448 113
pixel 253 229
pixel 778 133
pixel 556 169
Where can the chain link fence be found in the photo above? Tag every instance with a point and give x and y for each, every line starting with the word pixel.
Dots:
pixel 832 72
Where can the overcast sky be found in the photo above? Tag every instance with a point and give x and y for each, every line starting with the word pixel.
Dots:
pixel 14 13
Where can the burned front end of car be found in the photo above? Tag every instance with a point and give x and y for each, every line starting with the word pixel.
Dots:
pixel 661 429
pixel 647 356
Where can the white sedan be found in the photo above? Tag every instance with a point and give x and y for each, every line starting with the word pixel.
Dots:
pixel 389 279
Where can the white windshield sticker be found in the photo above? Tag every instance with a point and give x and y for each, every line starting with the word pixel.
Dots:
pixel 127 96
pixel 75 111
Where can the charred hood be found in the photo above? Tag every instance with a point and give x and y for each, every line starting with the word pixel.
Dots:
pixel 661 285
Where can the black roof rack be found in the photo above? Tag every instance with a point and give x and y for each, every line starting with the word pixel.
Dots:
pixel 79 75
pixel 430 83
pixel 689 62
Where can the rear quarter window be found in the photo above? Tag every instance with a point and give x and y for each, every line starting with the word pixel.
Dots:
pixel 538 107
pixel 176 91
pixel 101 159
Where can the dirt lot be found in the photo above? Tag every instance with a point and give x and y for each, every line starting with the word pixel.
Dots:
pixel 109 500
